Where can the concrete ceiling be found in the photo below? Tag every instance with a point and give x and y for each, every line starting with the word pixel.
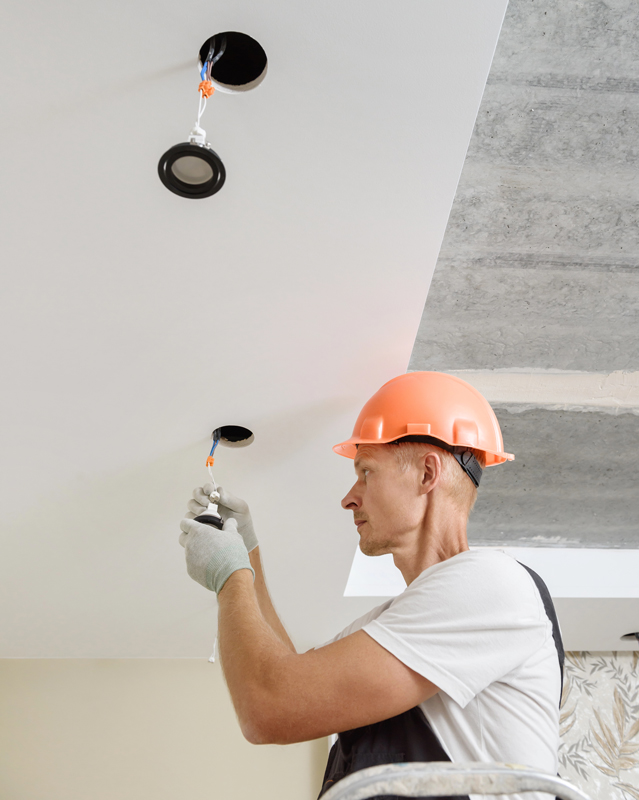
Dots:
pixel 134 321
pixel 538 275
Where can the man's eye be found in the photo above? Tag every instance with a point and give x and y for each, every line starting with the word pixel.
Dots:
pixel 365 472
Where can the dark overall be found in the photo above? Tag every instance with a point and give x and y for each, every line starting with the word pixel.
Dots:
pixel 408 736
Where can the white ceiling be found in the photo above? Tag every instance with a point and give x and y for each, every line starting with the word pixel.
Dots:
pixel 135 321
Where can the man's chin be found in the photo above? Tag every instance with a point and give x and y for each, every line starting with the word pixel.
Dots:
pixel 373 548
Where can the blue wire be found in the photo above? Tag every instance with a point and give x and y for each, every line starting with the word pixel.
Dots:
pixel 203 72
pixel 215 444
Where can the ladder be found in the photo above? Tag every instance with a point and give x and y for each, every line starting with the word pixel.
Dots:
pixel 443 779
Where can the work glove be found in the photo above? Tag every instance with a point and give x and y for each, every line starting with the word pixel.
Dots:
pixel 228 507
pixel 212 556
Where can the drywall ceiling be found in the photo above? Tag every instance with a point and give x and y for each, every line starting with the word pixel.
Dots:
pixel 135 321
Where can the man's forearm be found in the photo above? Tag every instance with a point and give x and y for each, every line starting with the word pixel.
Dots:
pixel 265 602
pixel 250 653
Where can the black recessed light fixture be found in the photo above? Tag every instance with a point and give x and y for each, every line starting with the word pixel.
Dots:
pixel 192 169
pixel 232 62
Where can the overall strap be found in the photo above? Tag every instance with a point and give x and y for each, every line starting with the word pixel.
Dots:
pixel 552 616
pixel 403 738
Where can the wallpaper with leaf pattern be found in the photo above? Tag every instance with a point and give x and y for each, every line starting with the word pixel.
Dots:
pixel 599 750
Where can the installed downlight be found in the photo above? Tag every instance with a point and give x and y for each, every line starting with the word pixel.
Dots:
pixel 231 62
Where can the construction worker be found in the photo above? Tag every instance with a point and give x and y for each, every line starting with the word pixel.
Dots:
pixel 465 665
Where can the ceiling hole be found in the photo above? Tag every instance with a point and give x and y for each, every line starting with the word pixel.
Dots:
pixel 633 635
pixel 233 436
pixel 239 61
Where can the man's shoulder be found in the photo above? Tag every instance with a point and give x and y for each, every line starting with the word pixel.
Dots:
pixel 491 572
pixel 484 561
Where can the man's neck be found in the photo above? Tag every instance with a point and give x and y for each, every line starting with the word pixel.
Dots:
pixel 440 537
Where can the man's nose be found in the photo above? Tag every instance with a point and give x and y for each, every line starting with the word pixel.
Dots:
pixel 351 501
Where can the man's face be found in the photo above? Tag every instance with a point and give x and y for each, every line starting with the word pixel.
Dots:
pixel 386 502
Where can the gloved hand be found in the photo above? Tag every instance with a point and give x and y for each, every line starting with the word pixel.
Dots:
pixel 229 507
pixel 212 556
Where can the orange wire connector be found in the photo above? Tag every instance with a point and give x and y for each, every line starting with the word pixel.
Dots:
pixel 210 461
pixel 206 88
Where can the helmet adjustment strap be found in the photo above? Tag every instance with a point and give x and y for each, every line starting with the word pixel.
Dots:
pixel 469 464
pixel 463 455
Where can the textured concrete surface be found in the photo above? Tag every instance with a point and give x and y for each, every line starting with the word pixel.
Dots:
pixel 588 38
pixel 615 392
pixel 539 269
pixel 487 315
pixel 540 263
pixel 573 482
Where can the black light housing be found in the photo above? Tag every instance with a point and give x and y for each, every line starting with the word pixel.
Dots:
pixel 192 169
pixel 232 62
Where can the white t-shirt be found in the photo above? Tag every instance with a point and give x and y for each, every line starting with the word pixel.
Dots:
pixel 475 625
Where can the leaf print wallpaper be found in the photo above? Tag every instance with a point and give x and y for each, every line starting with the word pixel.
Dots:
pixel 599 750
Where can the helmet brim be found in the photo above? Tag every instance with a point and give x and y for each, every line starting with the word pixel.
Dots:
pixel 348 449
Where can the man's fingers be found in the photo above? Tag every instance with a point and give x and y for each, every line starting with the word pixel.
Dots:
pixel 187 526
pixel 197 508
pixel 230 524
pixel 206 489
pixel 231 501
pixel 201 496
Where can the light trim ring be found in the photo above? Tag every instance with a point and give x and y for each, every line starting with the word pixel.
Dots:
pixel 193 190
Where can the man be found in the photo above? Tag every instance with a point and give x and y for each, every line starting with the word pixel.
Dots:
pixel 465 665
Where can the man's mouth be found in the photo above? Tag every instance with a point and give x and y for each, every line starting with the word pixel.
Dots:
pixel 359 522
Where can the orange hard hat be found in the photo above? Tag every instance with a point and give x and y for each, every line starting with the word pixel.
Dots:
pixel 429 406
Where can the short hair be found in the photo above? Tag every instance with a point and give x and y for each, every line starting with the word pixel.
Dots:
pixel 458 485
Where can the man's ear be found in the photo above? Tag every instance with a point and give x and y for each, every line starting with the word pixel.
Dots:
pixel 431 471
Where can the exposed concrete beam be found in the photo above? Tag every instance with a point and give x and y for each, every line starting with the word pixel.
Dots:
pixel 615 392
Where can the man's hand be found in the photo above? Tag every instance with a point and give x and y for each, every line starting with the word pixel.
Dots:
pixel 229 507
pixel 212 556
pixel 202 496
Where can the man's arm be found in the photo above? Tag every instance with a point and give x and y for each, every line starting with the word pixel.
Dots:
pixel 231 507
pixel 265 603
pixel 281 697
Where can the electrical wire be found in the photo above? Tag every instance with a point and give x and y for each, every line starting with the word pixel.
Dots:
pixel 213 59
pixel 210 469
pixel 210 461
pixel 209 465
pixel 206 88
pixel 201 107
pixel 214 653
